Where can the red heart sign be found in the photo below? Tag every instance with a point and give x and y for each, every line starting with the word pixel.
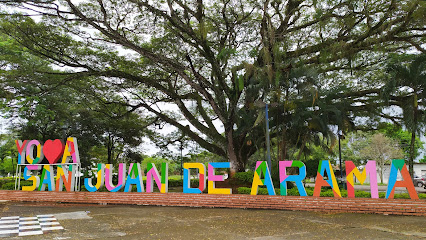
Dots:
pixel 53 150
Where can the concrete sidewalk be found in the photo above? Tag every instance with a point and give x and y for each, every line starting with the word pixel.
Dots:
pixel 146 222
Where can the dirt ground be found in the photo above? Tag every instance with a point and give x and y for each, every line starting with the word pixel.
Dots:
pixel 148 222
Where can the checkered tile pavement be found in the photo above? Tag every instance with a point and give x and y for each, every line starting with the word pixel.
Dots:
pixel 27 226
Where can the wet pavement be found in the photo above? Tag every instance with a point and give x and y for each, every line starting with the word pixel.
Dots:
pixel 148 222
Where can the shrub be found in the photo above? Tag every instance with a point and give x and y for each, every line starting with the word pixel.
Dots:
pixel 326 193
pixel 6 180
pixel 243 178
pixel 11 185
pixel 261 191
pixel 175 183
pixel 172 183
pixel 179 182
pixel 243 190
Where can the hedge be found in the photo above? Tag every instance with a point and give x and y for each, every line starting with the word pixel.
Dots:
pixel 11 185
pixel 243 178
pixel 326 193
pixel 172 184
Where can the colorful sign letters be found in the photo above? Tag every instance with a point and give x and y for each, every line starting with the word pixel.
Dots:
pixel 31 154
pixel 262 170
pixel 353 172
pixel 284 178
pixel 213 178
pixel 65 157
pixel 407 182
pixel 325 167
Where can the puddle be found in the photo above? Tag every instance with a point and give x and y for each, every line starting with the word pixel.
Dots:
pixel 72 215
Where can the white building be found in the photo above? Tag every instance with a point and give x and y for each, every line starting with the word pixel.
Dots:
pixel 419 170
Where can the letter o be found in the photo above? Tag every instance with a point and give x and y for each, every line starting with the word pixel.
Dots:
pixel 30 152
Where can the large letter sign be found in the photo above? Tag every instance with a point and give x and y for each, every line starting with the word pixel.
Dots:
pixel 68 171
pixel 53 150
pixel 284 178
pixel 65 177
pixel 399 165
pixel 100 179
pixel 47 179
pixel 201 177
pixel 121 177
pixel 21 150
pixel 28 176
pixel 325 166
pixel 161 181
pixel 215 178
pixel 30 152
pixel 134 177
pixel 71 151
pixel 352 171
pixel 262 169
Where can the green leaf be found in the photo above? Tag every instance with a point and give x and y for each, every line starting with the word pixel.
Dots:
pixel 241 83
pixel 259 118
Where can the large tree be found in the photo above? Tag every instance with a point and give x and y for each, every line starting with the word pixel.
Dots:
pixel 42 107
pixel 404 137
pixel 219 61
pixel 408 80
pixel 382 150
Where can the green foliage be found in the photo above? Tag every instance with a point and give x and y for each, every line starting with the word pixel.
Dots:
pixel 9 183
pixel 8 165
pixel 106 132
pixel 246 190
pixel 407 74
pixel 313 158
pixel 381 149
pixel 174 168
pixel 326 193
pixel 352 146
pixel 173 183
pixel 242 178
pixel 203 157
pixel 214 63
pixel 8 154
pixel 403 137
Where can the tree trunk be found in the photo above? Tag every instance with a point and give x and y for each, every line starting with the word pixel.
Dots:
pixel 411 159
pixel 110 146
pixel 413 136
pixel 109 155
pixel 236 164
pixel 302 148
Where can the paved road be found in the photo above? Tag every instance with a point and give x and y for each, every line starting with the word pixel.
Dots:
pixel 146 222
pixel 381 188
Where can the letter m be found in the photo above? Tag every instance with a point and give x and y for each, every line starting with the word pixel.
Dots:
pixel 352 171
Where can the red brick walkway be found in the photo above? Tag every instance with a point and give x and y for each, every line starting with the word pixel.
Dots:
pixel 317 204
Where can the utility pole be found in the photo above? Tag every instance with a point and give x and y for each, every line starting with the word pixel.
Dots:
pixel 181 159
pixel 340 135
pixel 267 138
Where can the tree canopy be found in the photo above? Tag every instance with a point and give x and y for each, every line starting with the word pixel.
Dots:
pixel 215 64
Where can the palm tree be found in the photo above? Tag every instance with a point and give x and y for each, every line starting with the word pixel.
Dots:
pixel 407 82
